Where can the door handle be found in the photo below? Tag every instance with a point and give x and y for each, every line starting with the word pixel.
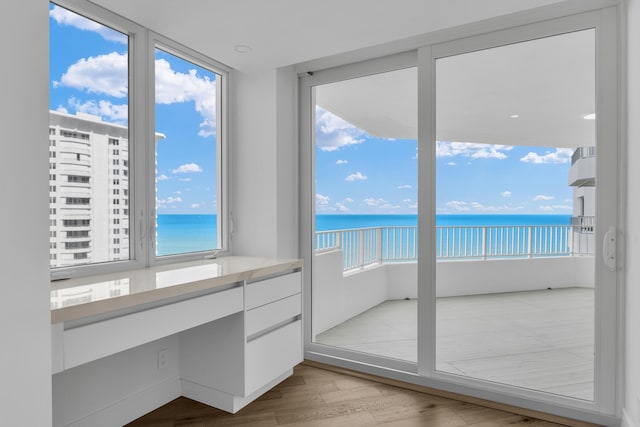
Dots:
pixel 609 249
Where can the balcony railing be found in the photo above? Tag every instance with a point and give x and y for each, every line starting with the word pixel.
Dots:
pixel 583 153
pixel 366 246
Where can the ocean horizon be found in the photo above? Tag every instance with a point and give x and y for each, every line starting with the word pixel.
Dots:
pixel 184 233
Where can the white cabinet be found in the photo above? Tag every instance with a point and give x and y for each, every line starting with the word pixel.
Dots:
pixel 236 323
pixel 229 363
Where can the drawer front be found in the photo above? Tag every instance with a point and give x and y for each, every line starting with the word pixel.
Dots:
pixel 271 355
pixel 96 340
pixel 266 316
pixel 269 290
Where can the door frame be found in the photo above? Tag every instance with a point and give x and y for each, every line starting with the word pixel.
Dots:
pixel 607 329
pixel 608 393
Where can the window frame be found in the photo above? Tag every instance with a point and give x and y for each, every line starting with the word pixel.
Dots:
pixel 158 41
pixel 141 145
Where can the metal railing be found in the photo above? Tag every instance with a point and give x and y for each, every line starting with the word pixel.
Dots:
pixel 366 246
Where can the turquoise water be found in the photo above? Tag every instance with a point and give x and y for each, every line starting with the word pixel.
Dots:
pixel 341 222
pixel 177 234
pixel 193 233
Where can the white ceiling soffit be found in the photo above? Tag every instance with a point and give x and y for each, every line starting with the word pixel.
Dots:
pixel 287 32
pixel 549 84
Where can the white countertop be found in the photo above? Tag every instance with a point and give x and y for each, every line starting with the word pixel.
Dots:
pixel 97 295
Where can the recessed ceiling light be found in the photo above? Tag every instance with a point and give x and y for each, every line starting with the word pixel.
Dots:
pixel 591 116
pixel 514 116
pixel 242 48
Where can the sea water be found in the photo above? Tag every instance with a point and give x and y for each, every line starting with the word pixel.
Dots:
pixel 343 222
pixel 193 233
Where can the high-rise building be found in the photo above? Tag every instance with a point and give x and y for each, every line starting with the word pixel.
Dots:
pixel 88 190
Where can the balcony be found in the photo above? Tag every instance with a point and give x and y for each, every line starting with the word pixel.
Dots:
pixel 506 297
pixel 583 167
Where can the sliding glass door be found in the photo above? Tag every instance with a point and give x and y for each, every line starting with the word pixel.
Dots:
pixel 515 201
pixel 502 149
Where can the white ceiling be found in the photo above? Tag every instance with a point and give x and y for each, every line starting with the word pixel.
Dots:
pixel 544 84
pixel 286 32
pixel 549 83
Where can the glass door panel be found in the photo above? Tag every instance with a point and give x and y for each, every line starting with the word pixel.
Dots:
pixel 515 204
pixel 365 236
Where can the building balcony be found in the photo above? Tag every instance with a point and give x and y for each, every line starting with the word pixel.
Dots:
pixel 506 296
pixel 583 167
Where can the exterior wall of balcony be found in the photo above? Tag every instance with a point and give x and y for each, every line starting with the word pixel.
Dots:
pixel 338 297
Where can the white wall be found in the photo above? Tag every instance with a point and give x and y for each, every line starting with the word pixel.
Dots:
pixel 337 298
pixel 632 297
pixel 25 359
pixel 455 278
pixel 117 389
pixel 254 150
pixel 287 163
pixel 264 163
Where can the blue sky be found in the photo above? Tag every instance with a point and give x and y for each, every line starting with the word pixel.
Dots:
pixel 88 69
pixel 357 173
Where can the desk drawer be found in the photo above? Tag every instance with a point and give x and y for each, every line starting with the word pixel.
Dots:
pixel 266 291
pixel 266 316
pixel 271 355
pixel 96 340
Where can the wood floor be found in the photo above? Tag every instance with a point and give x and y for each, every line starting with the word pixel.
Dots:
pixel 315 397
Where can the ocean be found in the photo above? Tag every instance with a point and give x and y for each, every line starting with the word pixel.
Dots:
pixel 343 222
pixel 193 233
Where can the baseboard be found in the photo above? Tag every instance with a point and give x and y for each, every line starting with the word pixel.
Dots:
pixel 221 400
pixel 627 421
pixel 133 406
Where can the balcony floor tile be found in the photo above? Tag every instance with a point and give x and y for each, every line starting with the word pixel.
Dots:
pixel 542 340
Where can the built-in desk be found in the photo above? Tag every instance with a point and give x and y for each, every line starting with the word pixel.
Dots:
pixel 238 320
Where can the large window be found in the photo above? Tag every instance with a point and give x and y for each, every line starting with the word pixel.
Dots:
pixel 186 153
pixel 120 140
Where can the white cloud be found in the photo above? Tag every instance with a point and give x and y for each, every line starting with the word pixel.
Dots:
pixel 62 109
pixel 348 200
pixel 472 150
pixel 341 208
pixel 174 87
pixel 107 75
pixel 102 74
pixel 482 208
pixel 540 197
pixel 458 206
pixel 111 112
pixel 461 206
pixel 379 203
pixel 407 200
pixel 413 206
pixel 506 193
pixel 342 162
pixel 195 205
pixel 561 155
pixel 187 168
pixel 322 200
pixel 169 200
pixel 356 177
pixel 402 187
pixel 65 17
pixel 333 133
pixel 555 208
pixel 185 180
pixel 451 164
pixel 162 177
